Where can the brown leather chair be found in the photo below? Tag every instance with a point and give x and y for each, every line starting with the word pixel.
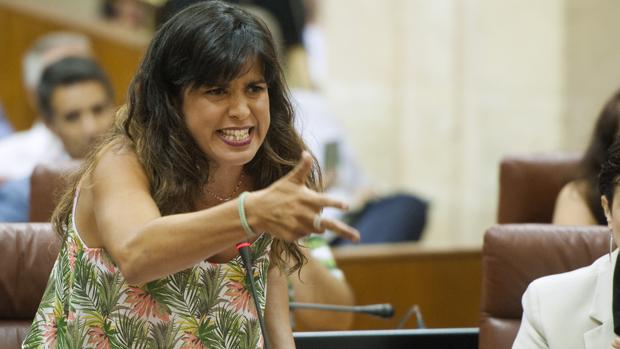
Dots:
pixel 27 254
pixel 47 183
pixel 529 186
pixel 513 255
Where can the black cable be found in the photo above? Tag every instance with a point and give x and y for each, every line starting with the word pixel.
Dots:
pixel 244 251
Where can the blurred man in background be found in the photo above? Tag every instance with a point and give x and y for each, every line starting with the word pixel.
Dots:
pixel 21 151
pixel 76 102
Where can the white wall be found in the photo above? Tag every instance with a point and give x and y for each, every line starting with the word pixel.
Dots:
pixel 434 92
pixel 591 69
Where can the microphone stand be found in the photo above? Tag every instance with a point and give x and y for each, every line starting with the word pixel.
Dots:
pixel 244 251
pixel 382 310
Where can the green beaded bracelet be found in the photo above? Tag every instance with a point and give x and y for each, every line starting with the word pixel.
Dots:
pixel 244 221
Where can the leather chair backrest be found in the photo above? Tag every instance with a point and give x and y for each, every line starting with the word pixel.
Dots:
pixel 27 254
pixel 47 183
pixel 514 255
pixel 529 186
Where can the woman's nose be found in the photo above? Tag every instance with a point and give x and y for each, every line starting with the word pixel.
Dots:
pixel 239 108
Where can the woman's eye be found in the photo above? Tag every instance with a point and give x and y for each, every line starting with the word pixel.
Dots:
pixel 217 91
pixel 256 88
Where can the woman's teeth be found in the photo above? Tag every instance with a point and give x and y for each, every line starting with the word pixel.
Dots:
pixel 236 135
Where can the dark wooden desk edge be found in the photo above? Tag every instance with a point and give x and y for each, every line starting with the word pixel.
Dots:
pixel 408 249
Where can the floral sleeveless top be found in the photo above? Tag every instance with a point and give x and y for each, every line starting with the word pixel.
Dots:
pixel 88 304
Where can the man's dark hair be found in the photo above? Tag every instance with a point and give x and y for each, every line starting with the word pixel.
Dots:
pixel 609 175
pixel 68 71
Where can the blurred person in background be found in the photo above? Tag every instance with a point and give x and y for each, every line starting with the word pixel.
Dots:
pixel 132 14
pixel 76 102
pixel 579 200
pixel 378 217
pixel 21 151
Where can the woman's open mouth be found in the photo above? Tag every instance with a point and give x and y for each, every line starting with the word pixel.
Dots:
pixel 236 137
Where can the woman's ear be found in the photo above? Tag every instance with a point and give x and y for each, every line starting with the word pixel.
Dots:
pixel 606 209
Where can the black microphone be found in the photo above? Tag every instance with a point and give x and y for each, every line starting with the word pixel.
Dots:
pixel 246 257
pixel 384 310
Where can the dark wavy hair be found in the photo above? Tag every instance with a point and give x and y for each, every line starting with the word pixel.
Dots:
pixel 609 176
pixel 603 136
pixel 208 43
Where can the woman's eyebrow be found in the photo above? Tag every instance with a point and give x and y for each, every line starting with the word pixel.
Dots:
pixel 258 81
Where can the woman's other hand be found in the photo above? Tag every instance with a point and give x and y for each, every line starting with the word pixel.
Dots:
pixel 288 209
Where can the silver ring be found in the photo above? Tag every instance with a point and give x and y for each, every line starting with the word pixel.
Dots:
pixel 317 223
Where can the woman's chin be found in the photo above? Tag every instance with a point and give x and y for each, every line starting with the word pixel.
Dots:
pixel 236 159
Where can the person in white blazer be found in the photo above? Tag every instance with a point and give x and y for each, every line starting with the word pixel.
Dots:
pixel 574 309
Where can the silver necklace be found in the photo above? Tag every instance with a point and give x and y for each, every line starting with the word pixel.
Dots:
pixel 222 199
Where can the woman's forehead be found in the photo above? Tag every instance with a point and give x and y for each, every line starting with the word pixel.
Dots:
pixel 252 66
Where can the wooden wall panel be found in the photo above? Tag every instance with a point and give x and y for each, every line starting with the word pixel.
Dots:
pixel 444 282
pixel 22 22
pixel 120 62
pixel 4 48
pixel 19 32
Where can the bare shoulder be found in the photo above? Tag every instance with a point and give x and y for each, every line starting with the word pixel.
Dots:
pixel 573 193
pixel 114 194
pixel 574 189
pixel 117 160
pixel 571 206
pixel 118 177
pixel 113 161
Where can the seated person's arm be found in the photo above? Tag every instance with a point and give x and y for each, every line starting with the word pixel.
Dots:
pixel 571 207
pixel 320 281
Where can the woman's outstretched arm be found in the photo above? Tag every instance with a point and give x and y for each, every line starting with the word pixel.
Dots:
pixel 117 212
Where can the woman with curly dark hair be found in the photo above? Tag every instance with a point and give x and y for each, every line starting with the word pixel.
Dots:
pixel 204 156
